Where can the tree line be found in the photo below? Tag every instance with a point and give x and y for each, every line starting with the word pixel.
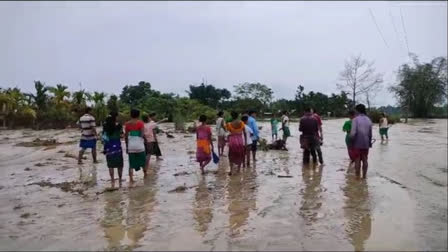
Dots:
pixel 421 89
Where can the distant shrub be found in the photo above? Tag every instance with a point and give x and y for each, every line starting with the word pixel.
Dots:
pixel 375 116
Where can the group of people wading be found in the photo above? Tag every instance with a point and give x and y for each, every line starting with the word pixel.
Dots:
pixel 240 134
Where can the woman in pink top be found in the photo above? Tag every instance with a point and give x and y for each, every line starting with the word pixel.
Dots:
pixel 150 138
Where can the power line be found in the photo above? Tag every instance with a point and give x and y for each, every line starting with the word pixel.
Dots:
pixel 395 27
pixel 405 33
pixel 377 27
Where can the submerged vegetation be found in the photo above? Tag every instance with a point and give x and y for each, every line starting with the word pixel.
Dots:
pixel 421 91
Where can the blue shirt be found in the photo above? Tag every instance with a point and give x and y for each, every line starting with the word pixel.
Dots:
pixel 253 125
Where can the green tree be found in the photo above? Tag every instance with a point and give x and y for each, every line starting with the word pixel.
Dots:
pixel 208 94
pixel 60 92
pixel 421 86
pixel 254 91
pixel 112 104
pixel 99 109
pixel 133 95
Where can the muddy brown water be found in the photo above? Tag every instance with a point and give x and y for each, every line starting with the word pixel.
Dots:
pixel 48 202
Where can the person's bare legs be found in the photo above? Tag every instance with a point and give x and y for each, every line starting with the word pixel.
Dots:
pixel 120 173
pixel 112 179
pixel 146 168
pixel 365 166
pixel 358 167
pixel 81 153
pixel 204 164
pixel 131 174
pixel 248 155
pixel 94 155
pixel 231 168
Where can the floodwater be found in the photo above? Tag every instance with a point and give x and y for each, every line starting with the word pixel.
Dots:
pixel 48 202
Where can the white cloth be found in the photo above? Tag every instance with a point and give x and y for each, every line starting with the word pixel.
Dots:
pixel 285 120
pixel 249 134
pixel 87 125
pixel 136 144
pixel 219 128
pixel 384 124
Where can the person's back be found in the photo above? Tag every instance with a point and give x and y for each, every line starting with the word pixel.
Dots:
pixel 308 125
pixel 361 132
pixel 383 123
pixel 87 125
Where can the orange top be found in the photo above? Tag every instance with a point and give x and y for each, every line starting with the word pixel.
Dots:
pixel 231 129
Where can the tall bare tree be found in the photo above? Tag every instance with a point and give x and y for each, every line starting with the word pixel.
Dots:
pixel 359 78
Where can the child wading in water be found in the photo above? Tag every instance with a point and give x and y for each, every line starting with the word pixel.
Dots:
pixel 248 133
pixel 274 130
pixel 384 127
pixel 347 128
pixel 204 143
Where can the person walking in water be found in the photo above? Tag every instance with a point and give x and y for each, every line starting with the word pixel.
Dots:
pixel 384 127
pixel 309 138
pixel 361 137
pixel 88 135
pixel 248 140
pixel 274 129
pixel 112 133
pixel 253 125
pixel 204 143
pixel 151 143
pixel 285 126
pixel 135 144
pixel 320 136
pixel 221 131
pixel 237 139
pixel 155 150
pixel 347 128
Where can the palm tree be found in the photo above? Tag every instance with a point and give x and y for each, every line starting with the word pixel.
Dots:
pixel 59 92
pixel 100 108
pixel 41 97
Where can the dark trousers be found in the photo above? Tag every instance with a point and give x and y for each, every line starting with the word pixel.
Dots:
pixel 310 146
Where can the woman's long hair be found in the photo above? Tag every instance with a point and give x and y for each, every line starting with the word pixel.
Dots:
pixel 111 123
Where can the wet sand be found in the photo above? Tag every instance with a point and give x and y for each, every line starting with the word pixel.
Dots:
pixel 48 202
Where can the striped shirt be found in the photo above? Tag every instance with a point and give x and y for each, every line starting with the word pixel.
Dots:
pixel 87 125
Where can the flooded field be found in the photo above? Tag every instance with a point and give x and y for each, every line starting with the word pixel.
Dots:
pixel 48 202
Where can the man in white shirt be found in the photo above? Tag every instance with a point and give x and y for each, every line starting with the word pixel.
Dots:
pixel 89 135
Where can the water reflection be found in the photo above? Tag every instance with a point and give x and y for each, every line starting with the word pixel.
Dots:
pixel 311 200
pixel 202 206
pixel 241 193
pixel 142 200
pixel 114 230
pixel 358 224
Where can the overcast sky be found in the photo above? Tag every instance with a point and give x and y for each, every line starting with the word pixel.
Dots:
pixel 106 45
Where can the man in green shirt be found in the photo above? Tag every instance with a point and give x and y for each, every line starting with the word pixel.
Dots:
pixel 347 128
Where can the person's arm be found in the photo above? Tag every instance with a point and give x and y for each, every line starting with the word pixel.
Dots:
pixel 245 136
pixel 223 125
pixel 210 138
pixel 370 136
pixel 93 125
pixel 255 129
pixel 126 137
pixel 300 126
pixel 321 132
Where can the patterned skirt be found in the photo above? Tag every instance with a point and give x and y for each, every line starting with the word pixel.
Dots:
pixel 236 149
